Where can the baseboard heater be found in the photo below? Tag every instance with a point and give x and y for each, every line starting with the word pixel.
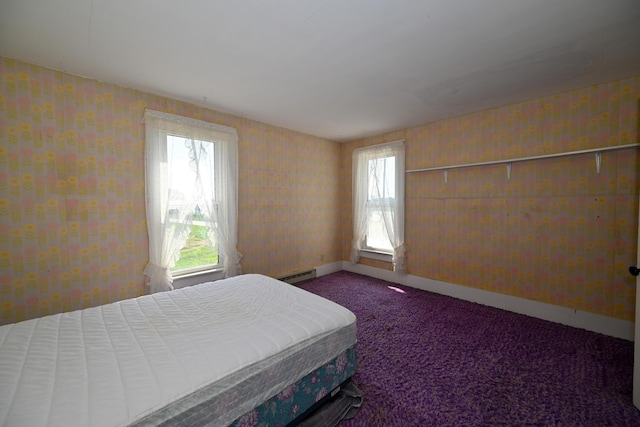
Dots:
pixel 299 276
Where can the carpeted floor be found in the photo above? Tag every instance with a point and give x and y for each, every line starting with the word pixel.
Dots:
pixel 430 360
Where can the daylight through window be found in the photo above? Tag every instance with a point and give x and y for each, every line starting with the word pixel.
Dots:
pixel 378 202
pixel 191 179
pixel 191 165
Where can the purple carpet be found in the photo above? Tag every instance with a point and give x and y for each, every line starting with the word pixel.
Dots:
pixel 430 360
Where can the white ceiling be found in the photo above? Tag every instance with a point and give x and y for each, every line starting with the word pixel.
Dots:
pixel 339 69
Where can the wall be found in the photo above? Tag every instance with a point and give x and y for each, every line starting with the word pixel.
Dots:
pixel 73 232
pixel 72 216
pixel 557 232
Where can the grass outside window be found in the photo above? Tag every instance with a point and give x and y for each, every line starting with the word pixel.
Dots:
pixel 197 251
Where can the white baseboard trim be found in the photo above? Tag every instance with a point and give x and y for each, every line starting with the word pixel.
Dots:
pixel 579 319
pixel 325 269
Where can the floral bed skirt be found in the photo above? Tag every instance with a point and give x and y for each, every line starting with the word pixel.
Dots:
pixel 295 400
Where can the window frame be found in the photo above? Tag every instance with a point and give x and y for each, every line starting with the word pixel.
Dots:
pixel 158 124
pixel 375 152
pixel 203 268
pixel 371 205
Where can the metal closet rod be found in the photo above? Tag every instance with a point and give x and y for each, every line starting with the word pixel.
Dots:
pixel 523 159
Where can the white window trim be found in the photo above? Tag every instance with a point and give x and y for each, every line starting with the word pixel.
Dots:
pixel 205 268
pixel 359 247
pixel 375 254
pixel 225 142
pixel 197 278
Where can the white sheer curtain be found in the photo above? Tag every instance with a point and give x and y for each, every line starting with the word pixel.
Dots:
pixel 372 191
pixel 169 211
pixel 224 208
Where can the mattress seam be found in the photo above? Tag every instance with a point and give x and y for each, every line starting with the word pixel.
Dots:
pixel 155 329
pixel 170 298
pixel 196 304
pixel 53 391
pixel 86 358
pixel 5 337
pixel 140 347
pixel 24 362
pixel 115 356
pixel 179 307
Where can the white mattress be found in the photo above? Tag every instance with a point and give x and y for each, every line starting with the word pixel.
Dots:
pixel 122 363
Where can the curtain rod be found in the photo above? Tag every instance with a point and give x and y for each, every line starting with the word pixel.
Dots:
pixel 523 159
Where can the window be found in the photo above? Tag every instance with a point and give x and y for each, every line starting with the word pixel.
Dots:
pixel 188 205
pixel 378 202
pixel 381 198
pixel 191 188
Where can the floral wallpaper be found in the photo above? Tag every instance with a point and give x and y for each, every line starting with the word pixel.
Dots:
pixel 72 218
pixel 72 223
pixel 73 231
pixel 557 231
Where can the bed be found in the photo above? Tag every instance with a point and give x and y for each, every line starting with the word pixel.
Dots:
pixel 239 351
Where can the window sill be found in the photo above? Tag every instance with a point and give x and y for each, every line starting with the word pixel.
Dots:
pixel 197 277
pixel 377 255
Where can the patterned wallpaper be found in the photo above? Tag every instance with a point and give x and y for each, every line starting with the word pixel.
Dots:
pixel 72 217
pixel 73 232
pixel 556 232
